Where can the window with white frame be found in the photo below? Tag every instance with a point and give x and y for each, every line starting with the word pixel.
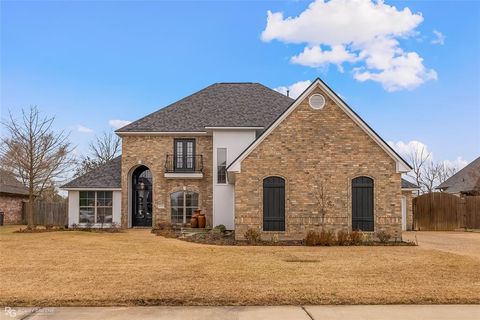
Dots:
pixel 183 203
pixel 221 165
pixel 95 207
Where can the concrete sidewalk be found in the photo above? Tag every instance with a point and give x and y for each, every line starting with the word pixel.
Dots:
pixel 375 312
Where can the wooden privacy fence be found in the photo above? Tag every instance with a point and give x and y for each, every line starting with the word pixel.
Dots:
pixel 54 213
pixel 438 211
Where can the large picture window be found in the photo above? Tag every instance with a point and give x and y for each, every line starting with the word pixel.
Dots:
pixel 95 207
pixel 221 165
pixel 183 203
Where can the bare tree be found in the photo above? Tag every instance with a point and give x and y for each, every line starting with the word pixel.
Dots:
pixel 103 149
pixel 427 173
pixel 34 152
pixel 418 158
pixel 320 192
pixel 430 176
pixel 445 172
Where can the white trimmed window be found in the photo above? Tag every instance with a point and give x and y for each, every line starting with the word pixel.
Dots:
pixel 222 165
pixel 183 203
pixel 95 207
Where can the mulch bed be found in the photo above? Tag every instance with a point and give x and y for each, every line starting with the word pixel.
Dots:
pixel 228 239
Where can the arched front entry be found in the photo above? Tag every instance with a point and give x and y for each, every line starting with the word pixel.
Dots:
pixel 362 204
pixel 273 204
pixel 142 197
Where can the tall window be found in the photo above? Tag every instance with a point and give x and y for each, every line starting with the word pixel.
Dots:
pixel 183 204
pixel 95 207
pixel 221 165
pixel 184 154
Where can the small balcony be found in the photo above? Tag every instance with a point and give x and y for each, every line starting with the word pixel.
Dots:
pixel 184 167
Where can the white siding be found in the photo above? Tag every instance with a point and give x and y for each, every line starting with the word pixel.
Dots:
pixel 73 207
pixel 223 194
pixel 117 207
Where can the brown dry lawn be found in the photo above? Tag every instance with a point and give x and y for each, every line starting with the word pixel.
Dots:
pixel 138 268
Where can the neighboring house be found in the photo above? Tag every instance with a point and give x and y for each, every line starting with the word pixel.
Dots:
pixel 248 157
pixel 409 191
pixel 12 196
pixel 465 182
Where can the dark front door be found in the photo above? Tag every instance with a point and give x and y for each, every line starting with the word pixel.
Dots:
pixel 142 197
pixel 362 204
pixel 274 204
pixel 184 155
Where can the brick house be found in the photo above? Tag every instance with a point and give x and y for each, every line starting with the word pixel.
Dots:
pixel 13 194
pixel 249 157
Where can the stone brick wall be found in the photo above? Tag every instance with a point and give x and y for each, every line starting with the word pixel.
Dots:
pixel 409 197
pixel 151 151
pixel 11 206
pixel 310 149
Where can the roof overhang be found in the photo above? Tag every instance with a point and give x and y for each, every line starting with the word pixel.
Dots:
pixel 91 189
pixel 211 129
pixel 401 165
pixel 161 133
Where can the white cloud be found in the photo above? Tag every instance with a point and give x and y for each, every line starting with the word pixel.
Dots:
pixel 359 32
pixel 405 149
pixel 439 38
pixel 403 72
pixel 295 89
pixel 83 129
pixel 458 163
pixel 115 123
pixel 316 57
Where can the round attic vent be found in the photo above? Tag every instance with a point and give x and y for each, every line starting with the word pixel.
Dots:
pixel 316 101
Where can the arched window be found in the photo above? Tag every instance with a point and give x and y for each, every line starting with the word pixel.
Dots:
pixel 362 204
pixel 182 204
pixel 273 204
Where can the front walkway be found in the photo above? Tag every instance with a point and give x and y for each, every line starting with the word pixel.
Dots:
pixel 463 243
pixel 376 312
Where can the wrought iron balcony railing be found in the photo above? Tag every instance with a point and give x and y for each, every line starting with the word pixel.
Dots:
pixel 184 164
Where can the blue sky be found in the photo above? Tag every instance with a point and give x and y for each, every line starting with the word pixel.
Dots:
pixel 91 62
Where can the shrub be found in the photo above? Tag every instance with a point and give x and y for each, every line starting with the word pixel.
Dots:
pixel 356 237
pixel 343 238
pixel 220 228
pixel 327 238
pixel 312 238
pixel 383 236
pixel 252 236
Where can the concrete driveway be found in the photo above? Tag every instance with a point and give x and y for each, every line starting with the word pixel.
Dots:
pixel 463 243
pixel 375 312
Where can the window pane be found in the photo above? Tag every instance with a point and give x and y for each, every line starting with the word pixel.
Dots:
pixel 177 215
pixel 188 213
pixel 176 199
pixel 87 215
pixel 221 165
pixel 104 215
pixel 191 199
pixel 87 198
pixel 104 198
pixel 222 156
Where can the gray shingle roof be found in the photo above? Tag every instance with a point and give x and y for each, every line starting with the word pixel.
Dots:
pixel 408 185
pixel 9 184
pixel 466 180
pixel 218 105
pixel 105 176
